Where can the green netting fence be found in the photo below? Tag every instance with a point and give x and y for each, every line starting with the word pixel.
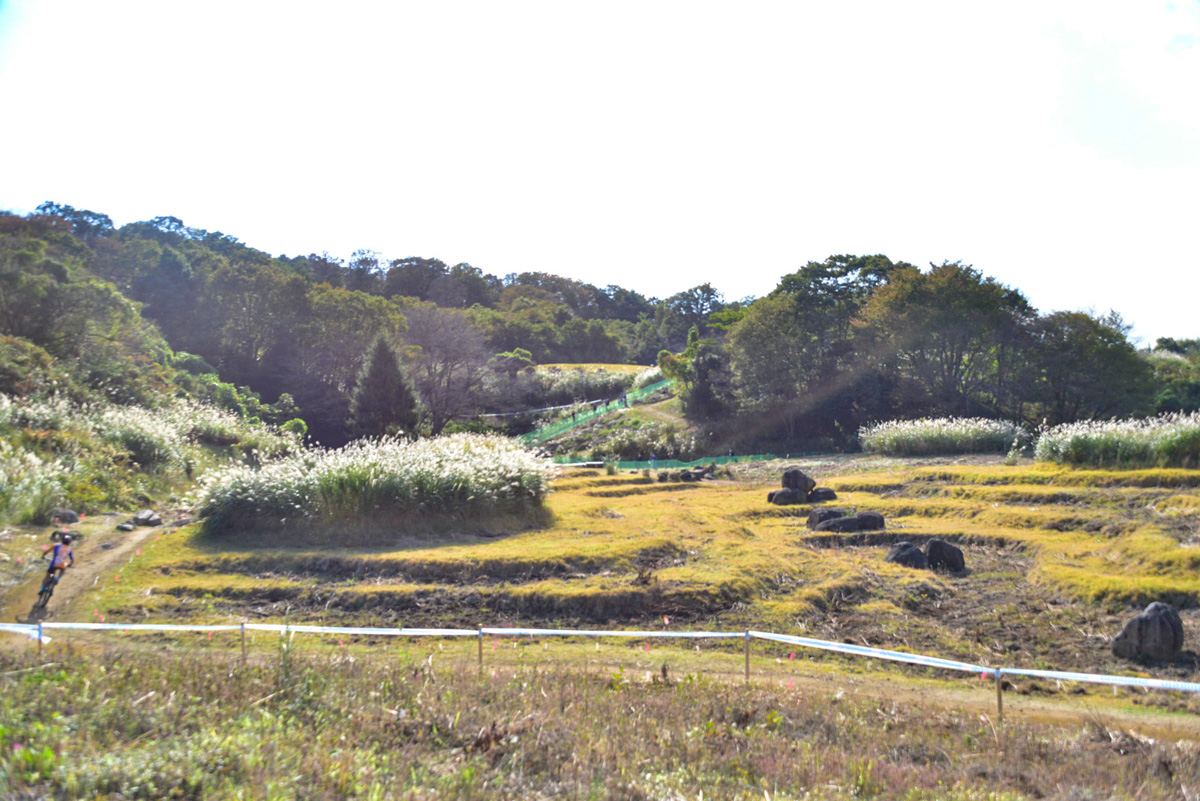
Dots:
pixel 564 425
pixel 676 464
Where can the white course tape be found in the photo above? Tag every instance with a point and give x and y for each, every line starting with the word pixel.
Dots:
pixel 1096 678
pixel 693 635
pixel 136 627
pixel 31 631
pixel 24 629
pixel 877 653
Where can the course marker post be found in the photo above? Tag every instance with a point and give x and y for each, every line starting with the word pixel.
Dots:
pixel 999 696
pixel 747 657
pixel 39 640
pixel 481 650
pixel 243 644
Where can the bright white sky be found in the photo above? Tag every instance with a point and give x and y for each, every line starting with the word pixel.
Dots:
pixel 655 145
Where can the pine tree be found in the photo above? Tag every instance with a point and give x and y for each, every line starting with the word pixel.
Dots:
pixel 383 400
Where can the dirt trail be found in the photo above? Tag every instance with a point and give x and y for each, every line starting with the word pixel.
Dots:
pixel 101 550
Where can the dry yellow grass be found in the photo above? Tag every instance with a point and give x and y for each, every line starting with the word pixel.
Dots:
pixel 1056 559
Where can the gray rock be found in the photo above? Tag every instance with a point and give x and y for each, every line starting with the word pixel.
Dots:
pixel 64 516
pixel 908 555
pixel 843 525
pixel 1157 632
pixel 818 516
pixel 785 497
pixel 821 494
pixel 125 527
pixel 870 521
pixel 944 556
pixel 794 478
pixel 147 517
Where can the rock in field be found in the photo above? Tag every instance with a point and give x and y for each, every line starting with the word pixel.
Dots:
pixel 786 496
pixel 125 527
pixel 821 494
pixel 147 517
pixel 908 555
pixel 794 478
pixel 818 516
pixel 870 521
pixel 1157 633
pixel 843 525
pixel 64 516
pixel 944 556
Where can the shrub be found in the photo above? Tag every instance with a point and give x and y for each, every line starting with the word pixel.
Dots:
pixel 1169 440
pixel 941 435
pixel 460 475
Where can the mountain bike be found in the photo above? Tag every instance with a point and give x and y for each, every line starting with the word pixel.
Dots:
pixel 48 584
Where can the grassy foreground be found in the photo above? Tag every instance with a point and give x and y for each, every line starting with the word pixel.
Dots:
pixel 190 724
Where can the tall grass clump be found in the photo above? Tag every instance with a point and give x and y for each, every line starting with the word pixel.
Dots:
pixel 378 482
pixel 651 375
pixel 30 487
pixel 941 435
pixel 1169 440
pixel 54 451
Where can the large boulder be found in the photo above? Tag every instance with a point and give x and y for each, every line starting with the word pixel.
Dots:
pixel 785 497
pixel 147 517
pixel 64 516
pixel 821 494
pixel 944 556
pixel 908 555
pixel 1157 633
pixel 842 525
pixel 794 478
pixel 870 521
pixel 818 516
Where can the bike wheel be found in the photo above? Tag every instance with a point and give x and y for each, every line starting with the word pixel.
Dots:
pixel 45 593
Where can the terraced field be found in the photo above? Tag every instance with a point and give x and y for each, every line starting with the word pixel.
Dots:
pixel 1056 560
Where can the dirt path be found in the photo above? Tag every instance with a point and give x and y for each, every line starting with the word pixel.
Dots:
pixel 101 550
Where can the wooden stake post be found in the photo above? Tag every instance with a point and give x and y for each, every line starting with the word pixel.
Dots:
pixel 747 657
pixel 999 696
pixel 481 650
pixel 243 645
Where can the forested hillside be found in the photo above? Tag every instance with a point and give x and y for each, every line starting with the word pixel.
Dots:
pixel 157 306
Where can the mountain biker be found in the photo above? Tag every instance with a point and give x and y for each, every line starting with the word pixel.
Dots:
pixel 60 555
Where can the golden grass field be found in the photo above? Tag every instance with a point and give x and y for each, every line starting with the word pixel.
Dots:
pixel 1057 559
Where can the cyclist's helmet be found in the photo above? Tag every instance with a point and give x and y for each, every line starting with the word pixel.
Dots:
pixel 66 540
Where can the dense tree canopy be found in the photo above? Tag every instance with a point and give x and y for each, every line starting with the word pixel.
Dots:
pixel 837 344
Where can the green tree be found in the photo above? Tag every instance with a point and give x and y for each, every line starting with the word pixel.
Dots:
pixel 383 401
pixel 1087 368
pixel 793 352
pixel 951 340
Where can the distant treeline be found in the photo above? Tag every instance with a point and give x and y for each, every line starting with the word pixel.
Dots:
pixel 837 344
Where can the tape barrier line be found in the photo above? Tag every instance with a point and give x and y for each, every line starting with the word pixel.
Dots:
pixel 137 627
pixel 691 635
pixel 1097 678
pixel 877 653
pixel 367 632
pixel 31 631
pixel 24 629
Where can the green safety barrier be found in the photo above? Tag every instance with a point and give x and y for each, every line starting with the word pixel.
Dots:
pixel 676 464
pixel 564 425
